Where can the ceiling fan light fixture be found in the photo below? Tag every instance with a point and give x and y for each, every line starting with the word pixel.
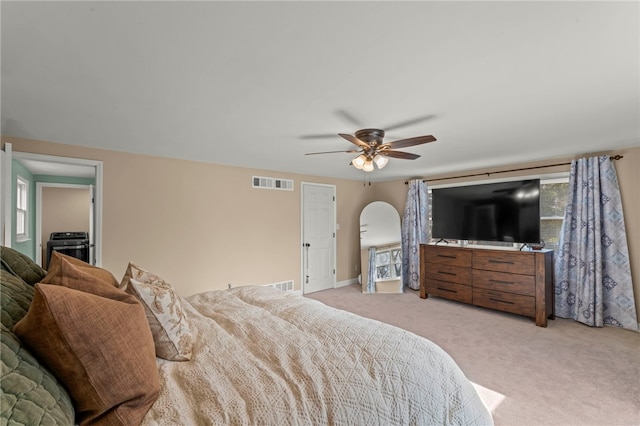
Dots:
pixel 368 166
pixel 380 160
pixel 359 161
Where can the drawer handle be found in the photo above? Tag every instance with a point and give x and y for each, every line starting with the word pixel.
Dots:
pixel 447 273
pixel 501 282
pixel 501 261
pixel 448 256
pixel 501 301
pixel 447 289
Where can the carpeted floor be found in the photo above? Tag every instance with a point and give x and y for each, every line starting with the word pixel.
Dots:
pixel 564 374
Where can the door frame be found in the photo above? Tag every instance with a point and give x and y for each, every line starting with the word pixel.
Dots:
pixel 302 219
pixel 6 190
pixel 9 155
pixel 92 213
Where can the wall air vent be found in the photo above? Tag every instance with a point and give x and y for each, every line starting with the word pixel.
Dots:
pixel 284 184
pixel 284 285
pixel 272 183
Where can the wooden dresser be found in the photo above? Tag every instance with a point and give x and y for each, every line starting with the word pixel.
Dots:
pixel 519 282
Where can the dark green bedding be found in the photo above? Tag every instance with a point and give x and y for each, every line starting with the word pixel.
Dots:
pixel 21 266
pixel 31 395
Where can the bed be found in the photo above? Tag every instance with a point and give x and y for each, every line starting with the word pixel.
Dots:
pixel 80 347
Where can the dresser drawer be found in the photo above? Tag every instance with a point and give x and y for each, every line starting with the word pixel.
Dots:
pixel 502 281
pixel 448 256
pixel 511 262
pixel 453 274
pixel 507 302
pixel 453 291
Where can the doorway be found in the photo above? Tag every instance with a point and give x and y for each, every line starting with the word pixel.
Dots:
pixel 318 237
pixel 62 208
pixel 51 169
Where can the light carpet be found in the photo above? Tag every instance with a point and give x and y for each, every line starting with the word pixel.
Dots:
pixel 565 374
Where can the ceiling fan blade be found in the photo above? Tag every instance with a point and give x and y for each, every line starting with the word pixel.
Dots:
pixel 400 154
pixel 348 117
pixel 332 152
pixel 410 122
pixel 354 140
pixel 403 143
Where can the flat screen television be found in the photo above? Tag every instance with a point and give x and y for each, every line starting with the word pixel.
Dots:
pixel 501 211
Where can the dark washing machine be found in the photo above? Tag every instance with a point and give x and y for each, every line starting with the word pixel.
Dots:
pixel 74 244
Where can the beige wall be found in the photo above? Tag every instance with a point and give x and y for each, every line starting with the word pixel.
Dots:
pixel 202 226
pixel 239 235
pixel 628 170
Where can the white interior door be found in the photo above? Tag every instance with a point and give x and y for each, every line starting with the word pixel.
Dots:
pixel 318 237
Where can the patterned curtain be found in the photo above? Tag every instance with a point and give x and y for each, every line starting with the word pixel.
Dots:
pixel 371 277
pixel 592 270
pixel 415 221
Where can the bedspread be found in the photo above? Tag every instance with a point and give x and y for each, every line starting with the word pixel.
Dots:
pixel 266 357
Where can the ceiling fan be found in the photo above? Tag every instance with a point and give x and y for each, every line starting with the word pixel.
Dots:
pixel 372 149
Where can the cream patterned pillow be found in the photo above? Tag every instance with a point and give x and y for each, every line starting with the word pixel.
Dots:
pixel 163 306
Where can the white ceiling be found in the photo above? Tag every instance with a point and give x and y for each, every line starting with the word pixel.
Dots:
pixel 48 168
pixel 243 83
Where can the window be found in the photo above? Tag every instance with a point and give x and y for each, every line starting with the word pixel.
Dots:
pixel 554 195
pixel 388 264
pixel 22 198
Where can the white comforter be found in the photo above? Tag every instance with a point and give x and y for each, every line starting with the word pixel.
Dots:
pixel 266 357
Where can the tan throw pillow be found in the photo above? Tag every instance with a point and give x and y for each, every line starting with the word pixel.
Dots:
pixel 71 272
pixel 169 325
pixel 100 348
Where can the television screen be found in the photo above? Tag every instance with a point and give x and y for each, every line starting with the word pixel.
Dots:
pixel 503 211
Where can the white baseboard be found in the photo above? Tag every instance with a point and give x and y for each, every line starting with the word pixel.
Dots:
pixel 346 282
pixel 338 284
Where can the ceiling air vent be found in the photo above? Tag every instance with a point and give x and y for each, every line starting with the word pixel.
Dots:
pixel 272 183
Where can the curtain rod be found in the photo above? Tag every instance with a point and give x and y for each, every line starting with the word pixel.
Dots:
pixel 611 157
